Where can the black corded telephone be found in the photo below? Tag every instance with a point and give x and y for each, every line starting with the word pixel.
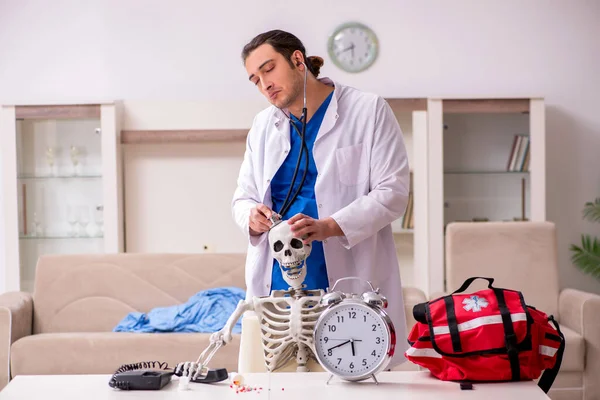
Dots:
pixel 154 375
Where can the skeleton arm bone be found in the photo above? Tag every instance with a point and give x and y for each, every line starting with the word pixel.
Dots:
pixel 224 334
pixel 217 339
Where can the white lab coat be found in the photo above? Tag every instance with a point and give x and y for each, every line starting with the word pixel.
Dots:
pixel 363 184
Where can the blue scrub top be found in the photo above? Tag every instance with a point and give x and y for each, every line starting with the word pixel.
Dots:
pixel 305 203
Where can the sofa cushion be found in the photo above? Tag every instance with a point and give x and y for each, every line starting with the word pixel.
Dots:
pixel 104 352
pixel 93 292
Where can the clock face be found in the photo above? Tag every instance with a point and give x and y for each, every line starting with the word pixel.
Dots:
pixel 353 47
pixel 352 340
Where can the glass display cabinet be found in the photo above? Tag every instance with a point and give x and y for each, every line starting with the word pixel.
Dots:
pixel 61 185
pixel 487 162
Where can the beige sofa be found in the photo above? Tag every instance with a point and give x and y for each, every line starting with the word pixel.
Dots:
pixel 65 327
pixel 523 256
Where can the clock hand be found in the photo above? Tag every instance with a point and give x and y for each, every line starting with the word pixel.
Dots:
pixel 347 48
pixel 352 343
pixel 338 345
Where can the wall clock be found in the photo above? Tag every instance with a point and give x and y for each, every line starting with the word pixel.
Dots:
pixel 353 47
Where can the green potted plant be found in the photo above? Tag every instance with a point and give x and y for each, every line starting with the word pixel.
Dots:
pixel 587 256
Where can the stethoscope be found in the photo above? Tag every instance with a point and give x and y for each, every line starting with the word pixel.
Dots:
pixel 303 151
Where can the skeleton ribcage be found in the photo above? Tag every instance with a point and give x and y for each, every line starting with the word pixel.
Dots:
pixel 280 337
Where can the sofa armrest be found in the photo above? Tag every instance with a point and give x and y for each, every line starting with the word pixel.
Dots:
pixel 411 296
pixel 16 320
pixel 580 311
pixel 437 295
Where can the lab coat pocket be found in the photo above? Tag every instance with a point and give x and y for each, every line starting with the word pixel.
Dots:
pixel 352 164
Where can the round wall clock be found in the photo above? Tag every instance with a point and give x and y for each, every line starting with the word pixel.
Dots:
pixel 353 47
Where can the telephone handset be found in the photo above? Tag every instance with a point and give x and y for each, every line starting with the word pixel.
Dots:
pixel 154 375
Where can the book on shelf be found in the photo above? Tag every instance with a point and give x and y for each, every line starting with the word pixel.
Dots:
pixel 407 218
pixel 518 161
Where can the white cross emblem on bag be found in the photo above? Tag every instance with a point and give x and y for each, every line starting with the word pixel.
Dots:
pixel 475 303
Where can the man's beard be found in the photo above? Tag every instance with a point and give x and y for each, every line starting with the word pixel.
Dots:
pixel 296 92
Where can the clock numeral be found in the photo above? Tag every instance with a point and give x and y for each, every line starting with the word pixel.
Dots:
pixel 364 362
pixel 351 365
pixel 340 318
pixel 373 353
pixel 377 340
pixel 339 361
pixel 365 318
pixel 374 327
pixel 332 328
pixel 326 339
pixel 352 314
pixel 329 352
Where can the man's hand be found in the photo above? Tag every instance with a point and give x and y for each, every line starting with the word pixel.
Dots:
pixel 310 229
pixel 259 219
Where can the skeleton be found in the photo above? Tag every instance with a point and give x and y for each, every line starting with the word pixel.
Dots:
pixel 287 317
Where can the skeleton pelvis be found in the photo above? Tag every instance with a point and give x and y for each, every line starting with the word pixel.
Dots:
pixel 251 358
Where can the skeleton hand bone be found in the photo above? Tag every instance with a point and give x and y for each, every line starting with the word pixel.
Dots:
pixel 224 335
pixel 217 339
pixel 190 369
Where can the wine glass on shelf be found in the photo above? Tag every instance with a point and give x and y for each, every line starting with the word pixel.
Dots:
pixel 84 220
pixel 72 218
pixel 50 159
pixel 75 158
pixel 37 225
pixel 99 220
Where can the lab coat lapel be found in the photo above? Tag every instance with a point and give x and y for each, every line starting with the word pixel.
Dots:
pixel 277 148
pixel 282 126
pixel 331 115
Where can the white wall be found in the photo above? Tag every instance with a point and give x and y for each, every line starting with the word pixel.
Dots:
pixel 64 51
pixel 178 198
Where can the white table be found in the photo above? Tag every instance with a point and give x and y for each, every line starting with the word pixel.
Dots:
pixel 305 386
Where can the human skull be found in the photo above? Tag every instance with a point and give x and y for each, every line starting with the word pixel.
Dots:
pixel 291 252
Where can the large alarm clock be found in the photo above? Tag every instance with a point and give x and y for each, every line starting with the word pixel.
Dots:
pixel 353 47
pixel 354 337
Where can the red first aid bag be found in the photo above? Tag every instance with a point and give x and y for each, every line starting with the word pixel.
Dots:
pixel 489 335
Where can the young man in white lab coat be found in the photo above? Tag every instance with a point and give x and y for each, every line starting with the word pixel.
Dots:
pixel 357 180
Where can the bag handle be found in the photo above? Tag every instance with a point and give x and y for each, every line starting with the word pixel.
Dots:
pixel 420 313
pixel 468 282
pixel 419 310
pixel 547 378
